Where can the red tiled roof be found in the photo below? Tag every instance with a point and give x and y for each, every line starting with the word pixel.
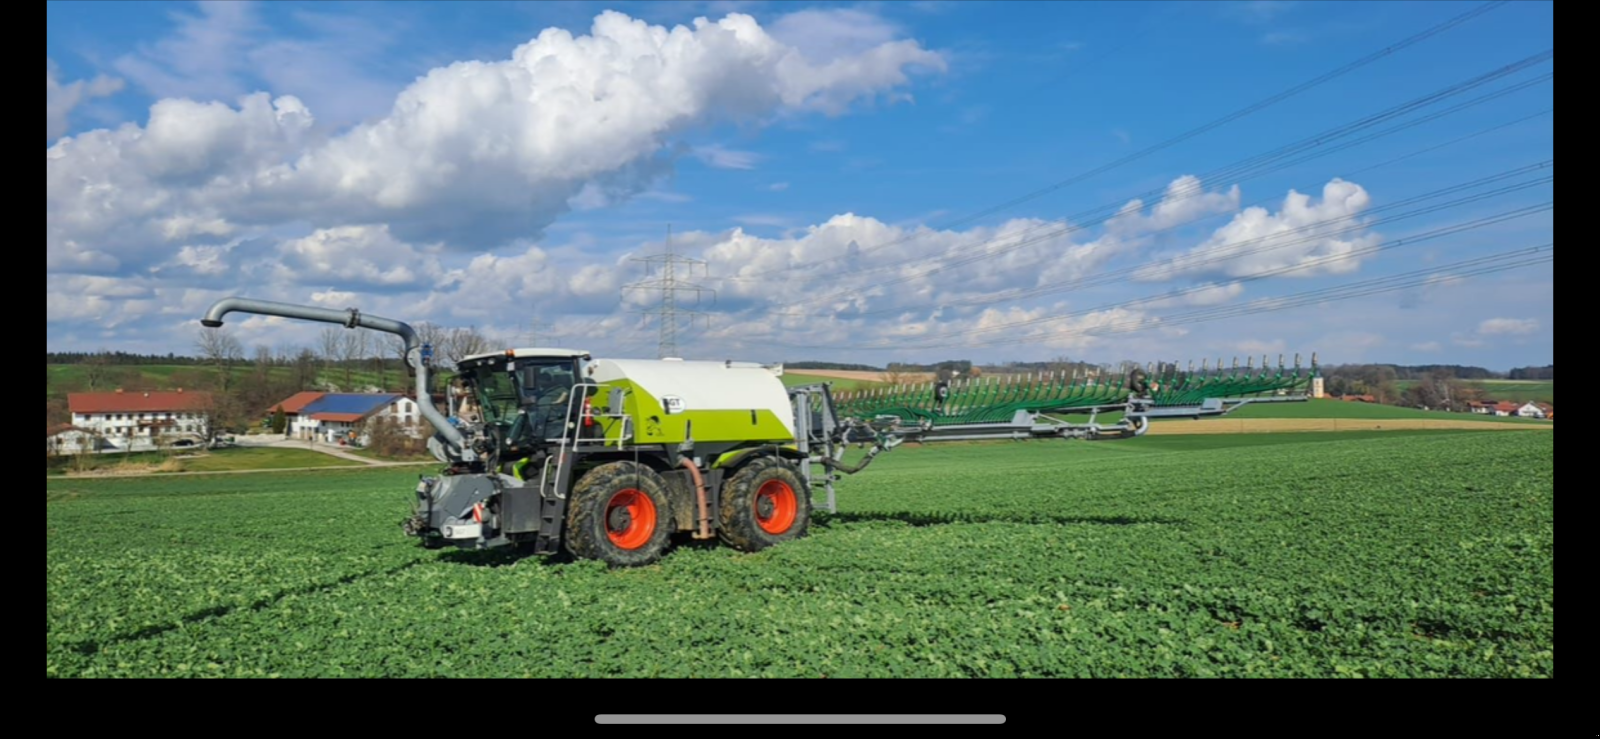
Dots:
pixel 299 400
pixel 338 417
pixel 1507 406
pixel 138 402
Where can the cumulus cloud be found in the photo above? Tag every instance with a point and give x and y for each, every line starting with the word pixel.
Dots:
pixel 1306 237
pixel 365 256
pixel 477 152
pixel 1494 330
pixel 60 99
pixel 1184 200
pixel 849 279
pixel 1508 326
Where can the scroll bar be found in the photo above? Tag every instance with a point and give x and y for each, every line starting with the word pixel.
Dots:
pixel 801 718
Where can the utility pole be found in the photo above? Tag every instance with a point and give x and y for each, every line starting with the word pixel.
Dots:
pixel 529 337
pixel 669 285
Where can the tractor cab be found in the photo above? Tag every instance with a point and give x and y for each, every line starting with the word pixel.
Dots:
pixel 524 397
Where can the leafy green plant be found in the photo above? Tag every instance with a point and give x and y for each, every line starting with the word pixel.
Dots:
pixel 1384 555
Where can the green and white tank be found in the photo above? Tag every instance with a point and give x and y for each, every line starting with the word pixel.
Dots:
pixel 715 402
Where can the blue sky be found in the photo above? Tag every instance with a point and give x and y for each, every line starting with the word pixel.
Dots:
pixel 853 175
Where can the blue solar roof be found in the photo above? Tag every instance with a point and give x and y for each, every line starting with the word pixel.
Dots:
pixel 359 403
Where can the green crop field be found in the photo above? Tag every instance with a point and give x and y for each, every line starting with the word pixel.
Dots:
pixel 1298 555
pixel 791 379
pixel 1356 410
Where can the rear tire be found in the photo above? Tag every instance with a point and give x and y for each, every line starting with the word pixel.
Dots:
pixel 763 504
pixel 619 514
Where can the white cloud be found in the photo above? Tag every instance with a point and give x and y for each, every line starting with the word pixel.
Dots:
pixel 1494 330
pixel 365 256
pixel 1508 326
pixel 1184 200
pixel 761 219
pixel 201 59
pixel 1305 238
pixel 1254 347
pixel 827 35
pixel 476 152
pixel 60 99
pixel 720 157
pixel 778 186
pixel 1427 346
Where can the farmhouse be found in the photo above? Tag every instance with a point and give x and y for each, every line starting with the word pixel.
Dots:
pixel 129 420
pixel 68 439
pixel 1497 408
pixel 336 417
pixel 1536 410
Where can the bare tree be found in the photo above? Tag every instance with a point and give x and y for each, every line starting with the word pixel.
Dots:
pixel 331 342
pixel 464 342
pixel 377 349
pixel 222 349
pixel 396 347
pixel 96 369
pixel 305 369
pixel 352 349
pixel 432 334
pixel 263 363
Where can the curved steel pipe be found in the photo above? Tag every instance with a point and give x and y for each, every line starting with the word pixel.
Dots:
pixel 352 318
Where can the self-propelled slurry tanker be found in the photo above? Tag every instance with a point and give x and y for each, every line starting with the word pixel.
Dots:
pixel 608 458
pixel 556 450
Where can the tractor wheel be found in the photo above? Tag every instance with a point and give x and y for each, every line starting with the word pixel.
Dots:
pixel 763 504
pixel 619 514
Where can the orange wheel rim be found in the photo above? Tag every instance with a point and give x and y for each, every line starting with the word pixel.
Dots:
pixel 630 519
pixel 776 507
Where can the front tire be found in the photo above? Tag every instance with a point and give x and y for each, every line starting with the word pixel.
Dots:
pixel 619 514
pixel 764 504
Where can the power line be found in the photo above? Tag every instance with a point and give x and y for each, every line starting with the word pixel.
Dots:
pixel 1463 270
pixel 1278 271
pixel 530 333
pixel 1239 171
pixel 1230 250
pixel 669 285
pixel 1420 278
pixel 1385 246
pixel 1206 128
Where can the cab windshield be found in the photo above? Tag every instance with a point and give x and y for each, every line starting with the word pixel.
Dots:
pixel 531 396
pixel 496 393
pixel 544 383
